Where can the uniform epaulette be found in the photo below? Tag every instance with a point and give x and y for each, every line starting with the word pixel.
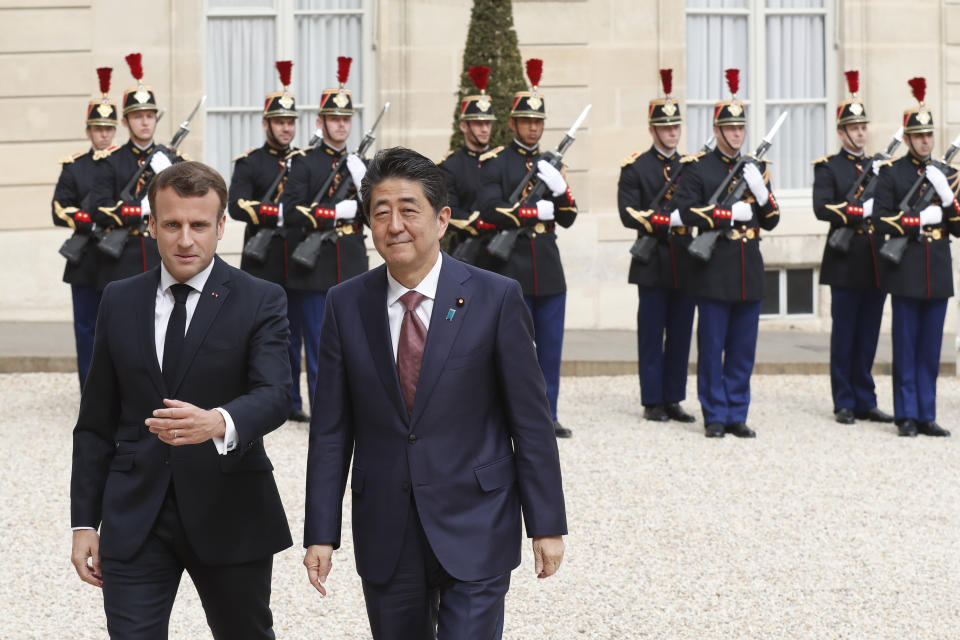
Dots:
pixel 104 153
pixel 491 154
pixel 245 153
pixel 884 163
pixel 630 159
pixel 298 152
pixel 821 160
pixel 447 155
pixel 694 157
pixel 69 159
pixel 184 157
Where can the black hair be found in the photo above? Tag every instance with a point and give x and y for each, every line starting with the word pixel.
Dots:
pixel 407 164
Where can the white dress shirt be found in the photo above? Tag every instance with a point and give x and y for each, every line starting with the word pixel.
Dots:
pixel 395 308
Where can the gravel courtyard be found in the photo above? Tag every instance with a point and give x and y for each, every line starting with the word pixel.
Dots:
pixel 813 530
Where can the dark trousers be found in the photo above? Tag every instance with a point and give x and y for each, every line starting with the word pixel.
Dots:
pixel 548 313
pixel 86 303
pixel 421 601
pixel 917 338
pixel 138 594
pixel 853 346
pixel 726 346
pixel 664 327
pixel 305 314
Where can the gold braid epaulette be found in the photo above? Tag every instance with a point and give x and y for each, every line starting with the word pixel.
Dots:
pixel 820 160
pixel 692 157
pixel 104 153
pixel 630 159
pixel 490 154
pixel 245 154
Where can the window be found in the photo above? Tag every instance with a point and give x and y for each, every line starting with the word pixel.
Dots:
pixel 780 48
pixel 788 292
pixel 244 40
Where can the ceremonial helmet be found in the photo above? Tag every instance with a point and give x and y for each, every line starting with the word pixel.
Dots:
pixel 732 111
pixel 338 102
pixel 665 111
pixel 478 107
pixel 103 112
pixel 141 97
pixel 281 104
pixel 851 110
pixel 918 119
pixel 530 104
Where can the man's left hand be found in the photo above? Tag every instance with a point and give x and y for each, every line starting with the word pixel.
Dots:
pixel 547 555
pixel 183 423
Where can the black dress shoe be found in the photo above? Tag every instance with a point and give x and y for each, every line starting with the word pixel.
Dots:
pixel 907 428
pixel 713 430
pixel 844 416
pixel 561 431
pixel 741 430
pixel 875 415
pixel 675 412
pixel 932 429
pixel 656 413
pixel 297 415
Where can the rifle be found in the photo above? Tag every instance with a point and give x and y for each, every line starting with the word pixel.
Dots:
pixel 113 241
pixel 841 238
pixel 894 248
pixel 258 246
pixel 643 247
pixel 501 246
pixel 308 252
pixel 702 247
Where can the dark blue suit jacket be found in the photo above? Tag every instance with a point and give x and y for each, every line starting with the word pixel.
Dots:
pixel 478 448
pixel 235 357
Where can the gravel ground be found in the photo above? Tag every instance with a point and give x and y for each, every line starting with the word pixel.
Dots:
pixel 814 530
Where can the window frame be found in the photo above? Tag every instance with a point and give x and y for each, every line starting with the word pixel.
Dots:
pixel 782 292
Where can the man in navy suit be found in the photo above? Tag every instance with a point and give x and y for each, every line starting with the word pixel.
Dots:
pixel 189 372
pixel 428 378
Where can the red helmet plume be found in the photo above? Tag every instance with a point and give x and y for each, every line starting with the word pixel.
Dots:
pixel 133 61
pixel 480 76
pixel 284 67
pixel 534 70
pixel 733 80
pixel 103 74
pixel 666 79
pixel 343 69
pixel 919 88
pixel 853 81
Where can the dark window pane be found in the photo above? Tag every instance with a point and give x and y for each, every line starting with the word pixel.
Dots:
pixel 800 291
pixel 771 293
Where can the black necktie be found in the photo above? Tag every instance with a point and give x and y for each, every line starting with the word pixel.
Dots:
pixel 176 328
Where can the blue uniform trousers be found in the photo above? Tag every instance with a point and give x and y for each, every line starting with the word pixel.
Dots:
pixel 664 326
pixel 548 313
pixel 305 314
pixel 853 346
pixel 86 304
pixel 917 337
pixel 726 345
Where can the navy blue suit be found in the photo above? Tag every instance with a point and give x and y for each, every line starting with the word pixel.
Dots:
pixel 477 450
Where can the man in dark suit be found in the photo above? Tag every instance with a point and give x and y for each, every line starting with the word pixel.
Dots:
pixel 189 372
pixel 446 452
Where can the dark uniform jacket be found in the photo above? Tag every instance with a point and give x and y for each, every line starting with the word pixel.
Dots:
pixel 345 255
pixel 253 174
pixel 462 169
pixel 70 209
pixel 118 166
pixel 734 273
pixel 832 178
pixel 926 270
pixel 535 261
pixel 642 176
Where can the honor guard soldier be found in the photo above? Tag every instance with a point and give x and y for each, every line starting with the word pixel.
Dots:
pixel 850 266
pixel 916 204
pixel 331 215
pixel 71 208
pixel 665 310
pixel 727 284
pixel 258 181
pixel 114 208
pixel 462 168
pixel 535 259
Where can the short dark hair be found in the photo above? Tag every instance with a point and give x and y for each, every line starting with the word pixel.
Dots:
pixel 189 179
pixel 400 162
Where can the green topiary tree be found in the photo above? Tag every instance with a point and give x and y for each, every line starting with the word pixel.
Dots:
pixel 491 42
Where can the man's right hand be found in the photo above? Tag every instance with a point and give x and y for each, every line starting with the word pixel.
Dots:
pixel 86 546
pixel 318 561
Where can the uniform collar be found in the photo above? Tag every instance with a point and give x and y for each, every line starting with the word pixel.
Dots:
pixel 330 151
pixel 663 157
pixel 272 150
pixel 474 154
pixel 137 150
pixel 523 149
pixel 849 155
pixel 917 161
pixel 727 159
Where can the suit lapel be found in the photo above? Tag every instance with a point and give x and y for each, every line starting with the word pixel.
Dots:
pixel 373 311
pixel 146 320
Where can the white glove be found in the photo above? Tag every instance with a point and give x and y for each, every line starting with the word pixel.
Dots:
pixel 544 210
pixel 356 168
pixel 755 181
pixel 939 182
pixel 875 167
pixel 931 215
pixel 159 162
pixel 551 177
pixel 280 215
pixel 345 210
pixel 675 220
pixel 145 206
pixel 742 211
pixel 868 208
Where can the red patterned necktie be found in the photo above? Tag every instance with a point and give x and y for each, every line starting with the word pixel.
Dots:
pixel 413 337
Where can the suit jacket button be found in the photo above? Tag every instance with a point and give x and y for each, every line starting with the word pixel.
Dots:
pixel 412 438
pixel 405 486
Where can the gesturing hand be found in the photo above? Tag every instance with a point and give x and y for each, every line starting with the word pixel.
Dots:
pixel 183 423
pixel 547 555
pixel 318 562
pixel 86 547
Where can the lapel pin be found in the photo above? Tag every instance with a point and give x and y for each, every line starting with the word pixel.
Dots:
pixel 460 302
pixel 450 315
pixel 215 295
